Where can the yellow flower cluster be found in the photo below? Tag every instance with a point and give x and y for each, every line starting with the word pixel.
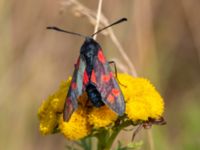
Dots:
pixel 51 109
pixel 101 117
pixel 77 127
pixel 142 99
pixel 142 102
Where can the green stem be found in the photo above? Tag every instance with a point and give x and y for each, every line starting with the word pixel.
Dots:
pixel 101 139
pixel 114 134
pixel 112 139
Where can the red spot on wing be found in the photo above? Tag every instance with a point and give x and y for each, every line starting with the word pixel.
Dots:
pixel 85 78
pixel 68 101
pixel 110 98
pixel 115 92
pixel 74 85
pixel 105 78
pixel 111 75
pixel 101 57
pixel 93 77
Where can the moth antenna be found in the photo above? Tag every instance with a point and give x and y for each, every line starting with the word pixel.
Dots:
pixel 116 22
pixel 61 30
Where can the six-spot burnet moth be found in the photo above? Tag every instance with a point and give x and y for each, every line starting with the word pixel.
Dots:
pixel 92 74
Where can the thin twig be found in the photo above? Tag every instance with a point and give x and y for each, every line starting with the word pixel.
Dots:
pixel 98 18
pixel 122 52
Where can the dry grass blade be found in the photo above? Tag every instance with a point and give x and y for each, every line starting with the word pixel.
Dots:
pixel 98 18
pixel 81 10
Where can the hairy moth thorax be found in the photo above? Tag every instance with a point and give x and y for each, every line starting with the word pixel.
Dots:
pixel 89 50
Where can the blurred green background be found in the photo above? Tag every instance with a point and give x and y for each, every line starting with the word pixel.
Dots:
pixel 161 37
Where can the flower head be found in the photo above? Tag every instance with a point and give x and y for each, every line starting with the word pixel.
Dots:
pixel 77 127
pixel 101 117
pixel 48 121
pixel 50 110
pixel 142 99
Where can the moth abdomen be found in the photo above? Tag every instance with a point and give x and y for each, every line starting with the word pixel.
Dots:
pixel 94 96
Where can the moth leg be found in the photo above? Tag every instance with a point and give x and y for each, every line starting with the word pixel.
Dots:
pixel 112 62
pixel 115 67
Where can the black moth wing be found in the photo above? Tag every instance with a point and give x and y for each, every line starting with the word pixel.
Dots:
pixel 107 85
pixel 75 90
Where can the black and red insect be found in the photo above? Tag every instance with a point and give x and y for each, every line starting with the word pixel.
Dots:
pixel 92 74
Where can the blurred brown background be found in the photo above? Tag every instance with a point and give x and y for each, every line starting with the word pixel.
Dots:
pixel 162 39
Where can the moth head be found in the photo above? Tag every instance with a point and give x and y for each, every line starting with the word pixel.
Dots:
pixel 90 47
